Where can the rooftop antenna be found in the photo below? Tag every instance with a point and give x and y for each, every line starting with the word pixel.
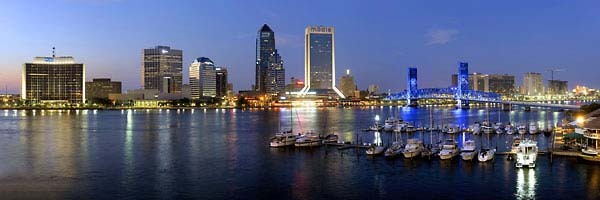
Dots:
pixel 53 52
pixel 552 70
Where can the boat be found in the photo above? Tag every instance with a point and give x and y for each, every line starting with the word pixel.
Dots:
pixel 527 154
pixel 282 139
pixel 413 148
pixel 390 123
pixel 533 129
pixel 509 129
pixel 468 151
pixel 589 151
pixel 375 127
pixel 486 155
pixel 409 128
pixel 476 128
pixel 499 128
pixel 449 150
pixel 331 138
pixel 308 140
pixel 522 129
pixel 452 129
pixel 375 150
pixel 393 150
pixel 487 129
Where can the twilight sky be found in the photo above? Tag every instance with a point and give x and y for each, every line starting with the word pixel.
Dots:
pixel 376 41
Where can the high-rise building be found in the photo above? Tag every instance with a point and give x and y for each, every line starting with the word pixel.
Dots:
pixel 270 74
pixel 162 69
pixel 532 84
pixel 347 84
pixel 319 61
pixel 501 83
pixel 53 79
pixel 221 81
pixel 101 88
pixel 203 78
pixel 557 87
pixel 275 75
pixel 373 89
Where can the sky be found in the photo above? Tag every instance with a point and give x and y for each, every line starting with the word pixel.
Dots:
pixel 376 40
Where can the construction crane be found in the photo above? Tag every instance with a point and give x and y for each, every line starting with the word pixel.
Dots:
pixel 552 70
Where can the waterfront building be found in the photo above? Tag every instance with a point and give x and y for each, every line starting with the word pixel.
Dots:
pixel 348 85
pixel 373 89
pixel 270 74
pixel 532 84
pixel 557 87
pixel 101 88
pixel 477 81
pixel 203 80
pixel 53 79
pixel 221 82
pixel 162 69
pixel 503 84
pixel 295 85
pixel 319 62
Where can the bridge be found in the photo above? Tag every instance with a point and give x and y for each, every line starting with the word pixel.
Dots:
pixel 462 94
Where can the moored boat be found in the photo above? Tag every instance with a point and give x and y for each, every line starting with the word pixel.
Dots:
pixel 468 151
pixel 413 148
pixel 449 150
pixel 527 154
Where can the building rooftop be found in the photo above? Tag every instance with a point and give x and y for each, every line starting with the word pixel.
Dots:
pixel 203 60
pixel 265 28
pixel 54 60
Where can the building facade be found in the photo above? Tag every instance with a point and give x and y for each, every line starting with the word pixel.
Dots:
pixel 53 79
pixel 533 84
pixel 557 87
pixel 503 84
pixel 162 69
pixel 203 80
pixel 221 82
pixel 348 85
pixel 101 88
pixel 319 61
pixel 270 74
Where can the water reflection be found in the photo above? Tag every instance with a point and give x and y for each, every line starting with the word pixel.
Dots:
pixel 526 184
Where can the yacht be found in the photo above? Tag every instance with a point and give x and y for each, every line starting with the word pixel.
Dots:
pixel 533 129
pixel 509 129
pixel 476 129
pixel 282 139
pixel 390 123
pixel 413 148
pixel 527 154
pixel 522 129
pixel 499 128
pixel 486 128
pixel 331 138
pixel 394 150
pixel 449 150
pixel 308 140
pixel 589 151
pixel 486 155
pixel 468 151
pixel 375 150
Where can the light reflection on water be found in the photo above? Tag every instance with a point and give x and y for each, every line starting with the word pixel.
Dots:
pixel 526 183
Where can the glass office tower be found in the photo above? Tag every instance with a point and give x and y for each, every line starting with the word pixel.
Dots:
pixel 162 69
pixel 319 62
pixel 53 79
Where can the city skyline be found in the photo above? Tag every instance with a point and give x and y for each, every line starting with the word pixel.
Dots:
pixel 535 44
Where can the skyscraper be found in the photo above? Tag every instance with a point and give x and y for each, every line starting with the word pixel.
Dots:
pixel 319 61
pixel 221 82
pixel 557 87
pixel 270 74
pixel 532 84
pixel 203 78
pixel 53 79
pixel 347 84
pixel 162 69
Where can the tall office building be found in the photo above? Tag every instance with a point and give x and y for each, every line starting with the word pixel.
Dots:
pixel 275 75
pixel 557 87
pixel 162 69
pixel 53 79
pixel 319 61
pixel 203 78
pixel 221 82
pixel 347 85
pixel 270 74
pixel 501 83
pixel 101 88
pixel 532 84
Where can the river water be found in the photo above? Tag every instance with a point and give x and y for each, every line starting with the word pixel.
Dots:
pixel 224 154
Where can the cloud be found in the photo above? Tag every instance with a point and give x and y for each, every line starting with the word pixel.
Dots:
pixel 441 36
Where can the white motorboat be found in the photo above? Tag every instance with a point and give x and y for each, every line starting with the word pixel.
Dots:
pixel 390 123
pixel 499 128
pixel 533 128
pixel 393 150
pixel 522 129
pixel 331 138
pixel 452 129
pixel 468 151
pixel 375 150
pixel 282 139
pixel 589 151
pixel 413 148
pixel 527 154
pixel 486 155
pixel 449 150
pixel 308 140
pixel 509 129
pixel 476 129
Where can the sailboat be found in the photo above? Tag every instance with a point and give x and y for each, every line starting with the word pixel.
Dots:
pixel 486 154
pixel 284 138
pixel 377 147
